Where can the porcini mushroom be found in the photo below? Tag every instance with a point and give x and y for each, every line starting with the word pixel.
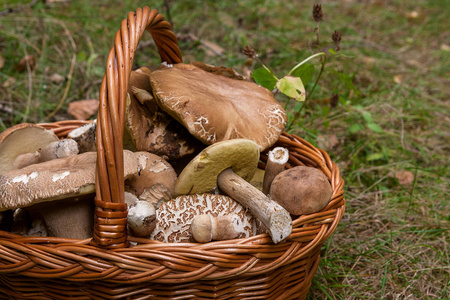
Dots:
pixel 301 190
pixel 205 228
pixel 215 108
pixel 70 181
pixel 276 161
pixel 228 165
pixel 21 139
pixel 174 218
pixel 149 128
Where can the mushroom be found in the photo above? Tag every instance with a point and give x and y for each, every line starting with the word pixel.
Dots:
pixel 140 218
pixel 148 128
pixel 59 149
pixel 228 165
pixel 205 228
pixel 215 108
pixel 174 218
pixel 301 190
pixel 85 137
pixel 70 181
pixel 21 139
pixel 276 161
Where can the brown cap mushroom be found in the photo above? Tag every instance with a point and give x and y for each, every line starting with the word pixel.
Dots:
pixel 70 180
pixel 215 108
pixel 228 165
pixel 149 128
pixel 301 190
pixel 205 228
pixel 21 139
pixel 174 218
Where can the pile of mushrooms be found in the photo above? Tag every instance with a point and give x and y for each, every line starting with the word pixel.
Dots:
pixel 193 137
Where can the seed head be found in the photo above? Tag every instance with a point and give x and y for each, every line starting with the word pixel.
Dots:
pixel 317 13
pixel 250 52
pixel 337 36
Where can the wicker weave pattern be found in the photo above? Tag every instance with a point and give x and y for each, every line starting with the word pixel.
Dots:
pixel 106 268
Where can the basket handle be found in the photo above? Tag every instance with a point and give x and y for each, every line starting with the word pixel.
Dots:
pixel 110 218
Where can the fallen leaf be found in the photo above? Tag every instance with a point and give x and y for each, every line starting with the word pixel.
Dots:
pixel 83 109
pixel 57 78
pixel 25 62
pixel 2 62
pixel 327 142
pixel 445 47
pixel 403 177
pixel 398 79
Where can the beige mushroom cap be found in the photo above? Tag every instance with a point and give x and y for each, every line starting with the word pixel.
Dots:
pixel 301 190
pixel 174 218
pixel 216 108
pixel 56 179
pixel 200 175
pixel 21 139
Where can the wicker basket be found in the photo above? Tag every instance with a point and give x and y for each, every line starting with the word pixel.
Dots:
pixel 107 267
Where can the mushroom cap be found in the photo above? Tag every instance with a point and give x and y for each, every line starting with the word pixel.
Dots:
pixel 200 175
pixel 216 108
pixel 152 170
pixel 20 139
pixel 301 190
pixel 174 218
pixel 149 128
pixel 55 179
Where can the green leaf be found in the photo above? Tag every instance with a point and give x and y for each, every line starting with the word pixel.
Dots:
pixel 305 72
pixel 355 128
pixel 331 50
pixel 264 78
pixel 375 156
pixel 292 87
pixel 375 127
pixel 367 116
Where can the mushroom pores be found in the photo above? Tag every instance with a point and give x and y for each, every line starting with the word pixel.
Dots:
pixel 301 190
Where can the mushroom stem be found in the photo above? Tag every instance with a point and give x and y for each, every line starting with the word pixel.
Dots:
pixel 276 162
pixel 85 137
pixel 277 220
pixel 61 149
pixel 24 160
pixel 205 228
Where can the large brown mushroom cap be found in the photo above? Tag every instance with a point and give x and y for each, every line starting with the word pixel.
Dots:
pixel 174 218
pixel 215 108
pixel 301 190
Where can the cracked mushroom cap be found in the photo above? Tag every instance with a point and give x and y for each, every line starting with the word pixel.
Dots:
pixel 216 108
pixel 200 175
pixel 149 128
pixel 21 139
pixel 174 218
pixel 54 180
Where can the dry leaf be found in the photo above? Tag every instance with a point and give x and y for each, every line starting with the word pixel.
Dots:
pixel 398 79
pixel 403 177
pixel 57 78
pixel 2 62
pixel 327 141
pixel 445 47
pixel 27 60
pixel 83 109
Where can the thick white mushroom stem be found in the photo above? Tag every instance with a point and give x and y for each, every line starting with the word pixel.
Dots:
pixel 85 137
pixel 276 162
pixel 277 220
pixel 26 159
pixel 61 149
pixel 205 228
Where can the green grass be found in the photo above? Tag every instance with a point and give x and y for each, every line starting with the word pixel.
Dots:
pixel 392 242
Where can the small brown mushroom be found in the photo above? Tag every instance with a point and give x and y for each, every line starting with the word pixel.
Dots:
pixel 205 228
pixel 174 218
pixel 228 165
pixel 276 161
pixel 301 190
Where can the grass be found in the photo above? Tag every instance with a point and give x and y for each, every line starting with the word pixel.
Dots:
pixel 392 115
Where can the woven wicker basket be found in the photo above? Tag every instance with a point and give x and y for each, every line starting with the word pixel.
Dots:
pixel 107 267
